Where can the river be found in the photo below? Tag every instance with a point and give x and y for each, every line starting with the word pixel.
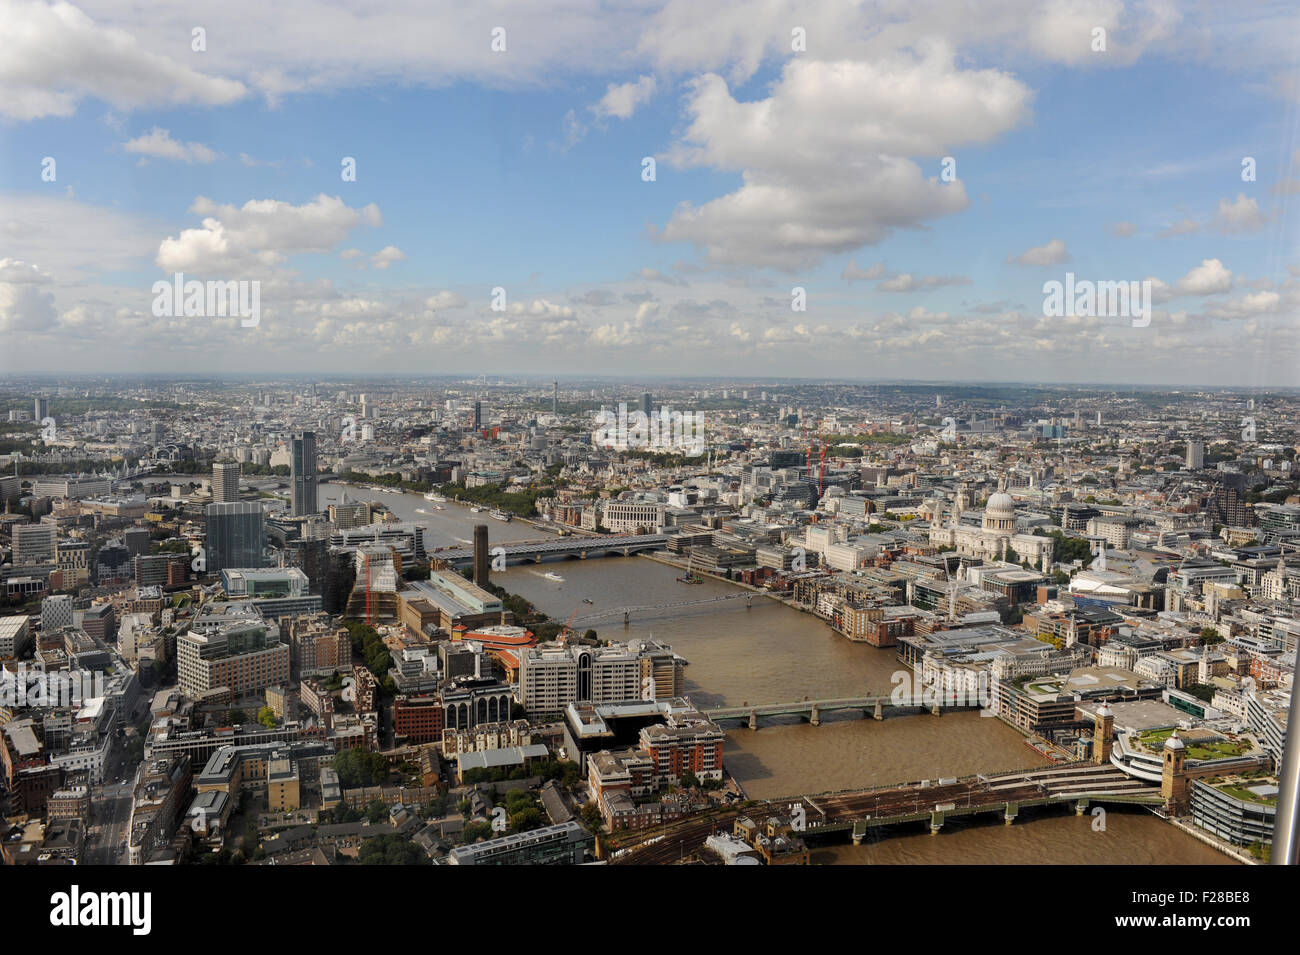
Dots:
pixel 760 651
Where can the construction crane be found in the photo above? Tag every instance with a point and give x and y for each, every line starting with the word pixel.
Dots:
pixel 568 624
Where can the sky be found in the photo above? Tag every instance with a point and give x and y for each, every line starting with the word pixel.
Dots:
pixel 872 190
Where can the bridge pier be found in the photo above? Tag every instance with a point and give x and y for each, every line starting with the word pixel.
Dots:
pixel 859 831
pixel 1081 807
pixel 815 717
pixel 936 822
pixel 753 719
pixel 935 709
pixel 880 711
pixel 1011 811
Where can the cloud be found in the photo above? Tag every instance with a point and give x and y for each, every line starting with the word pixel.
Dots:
pixel 1238 217
pixel 159 144
pixel 622 99
pixel 1053 253
pixel 1121 230
pixel 906 282
pixel 825 158
pixel 444 300
pixel 387 256
pixel 1185 227
pixel 1208 278
pixel 1256 303
pixel 852 273
pixel 52 55
pixel 261 233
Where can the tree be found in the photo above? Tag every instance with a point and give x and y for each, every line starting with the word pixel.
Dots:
pixel 1210 636
pixel 690 780
pixel 266 716
pixel 236 717
pixel 591 816
pixel 359 767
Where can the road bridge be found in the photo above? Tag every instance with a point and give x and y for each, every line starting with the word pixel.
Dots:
pixel 873 706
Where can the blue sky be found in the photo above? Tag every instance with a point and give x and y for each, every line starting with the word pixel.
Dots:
pixel 477 170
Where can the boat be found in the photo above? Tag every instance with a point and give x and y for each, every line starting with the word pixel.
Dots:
pixel 552 576
pixel 476 509
pixel 588 600
pixel 501 515
pixel 438 507
pixel 435 498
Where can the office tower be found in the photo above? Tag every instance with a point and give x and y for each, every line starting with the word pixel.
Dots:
pixel 158 432
pixel 555 397
pixel 481 563
pixel 478 415
pixel 302 466
pixel 1099 419
pixel 42 409
pixel 137 540
pixel 646 404
pixel 34 543
pixel 56 613
pixel 234 535
pixel 1195 454
pixel 225 482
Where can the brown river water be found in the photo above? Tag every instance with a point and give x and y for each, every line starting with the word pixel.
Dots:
pixel 760 651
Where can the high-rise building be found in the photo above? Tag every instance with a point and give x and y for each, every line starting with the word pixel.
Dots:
pixel 1195 454
pixel 481 563
pixel 646 404
pixel 478 415
pixel 225 482
pixel 555 397
pixel 302 466
pixel 41 409
pixel 234 535
pixel 34 543
pixel 56 613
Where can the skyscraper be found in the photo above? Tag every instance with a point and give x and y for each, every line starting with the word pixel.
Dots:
pixel 234 535
pixel 225 482
pixel 478 415
pixel 646 404
pixel 1195 454
pixel 481 561
pixel 555 398
pixel 42 406
pixel 302 467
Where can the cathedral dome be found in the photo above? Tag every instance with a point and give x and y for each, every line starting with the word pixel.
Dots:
pixel 1001 506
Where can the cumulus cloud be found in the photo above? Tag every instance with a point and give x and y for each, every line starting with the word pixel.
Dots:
pixel 1238 216
pixel 1208 278
pixel 52 55
pixel 1122 230
pixel 622 99
pixel 825 156
pixel 387 256
pixel 260 233
pixel 1053 253
pixel 159 144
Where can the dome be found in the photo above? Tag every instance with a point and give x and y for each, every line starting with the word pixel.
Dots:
pixel 1000 505
pixel 1104 710
pixel 1174 742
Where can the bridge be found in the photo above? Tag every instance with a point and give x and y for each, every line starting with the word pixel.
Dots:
pixel 649 609
pixel 538 550
pixel 932 801
pixel 928 801
pixel 813 709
